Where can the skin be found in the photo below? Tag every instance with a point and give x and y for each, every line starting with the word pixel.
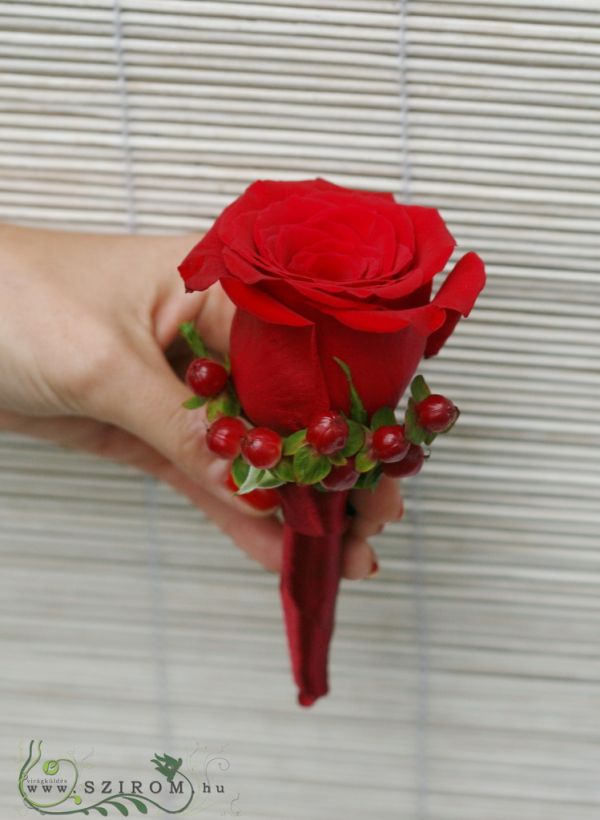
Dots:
pixel 90 359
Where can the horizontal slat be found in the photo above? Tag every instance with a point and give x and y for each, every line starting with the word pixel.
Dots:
pixel 466 674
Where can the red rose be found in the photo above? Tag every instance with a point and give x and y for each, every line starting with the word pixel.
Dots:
pixel 318 271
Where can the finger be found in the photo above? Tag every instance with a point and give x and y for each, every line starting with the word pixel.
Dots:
pixel 358 558
pixel 118 445
pixel 374 509
pixel 211 311
pixel 92 436
pixel 258 534
pixel 366 527
pixel 215 317
pixel 260 538
pixel 146 400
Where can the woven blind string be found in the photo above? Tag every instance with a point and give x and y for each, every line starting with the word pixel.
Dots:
pixel 414 488
pixel 157 596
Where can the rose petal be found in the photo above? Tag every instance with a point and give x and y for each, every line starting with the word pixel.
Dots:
pixel 260 304
pixel 330 266
pixel 456 296
pixel 295 294
pixel 417 298
pixel 382 364
pixel 399 218
pixel 277 371
pixel 425 320
pixel 203 265
pixel 375 236
pixel 264 193
pixel 240 268
pixel 402 286
pixel 236 230
pixel 433 241
pixel 316 242
pixel 285 216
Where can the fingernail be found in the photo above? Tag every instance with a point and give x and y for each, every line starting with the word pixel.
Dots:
pixel 218 471
pixel 374 569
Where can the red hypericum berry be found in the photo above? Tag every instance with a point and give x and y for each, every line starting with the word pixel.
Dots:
pixel 224 436
pixel 260 499
pixel 341 478
pixel 389 443
pixel 327 433
pixel 410 465
pixel 261 447
pixel 205 377
pixel 436 413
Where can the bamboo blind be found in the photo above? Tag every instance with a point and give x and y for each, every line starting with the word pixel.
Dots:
pixel 466 678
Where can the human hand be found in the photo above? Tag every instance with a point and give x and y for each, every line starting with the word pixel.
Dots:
pixel 90 358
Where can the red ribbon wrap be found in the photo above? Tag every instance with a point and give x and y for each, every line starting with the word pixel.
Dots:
pixel 310 576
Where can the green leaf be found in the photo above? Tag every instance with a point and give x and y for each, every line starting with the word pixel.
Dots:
pixel 430 438
pixel 197 346
pixel 363 462
pixel 225 404
pixel 309 466
pixel 227 362
pixel 141 807
pixel 337 459
pixel 120 807
pixel 293 442
pixel 370 480
pixel 194 402
pixel 419 389
pixel 252 481
pixel 239 470
pixel 284 470
pixel 383 417
pixel 269 481
pixel 101 810
pixel 356 438
pixel 357 408
pixel 251 478
pixel 412 429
